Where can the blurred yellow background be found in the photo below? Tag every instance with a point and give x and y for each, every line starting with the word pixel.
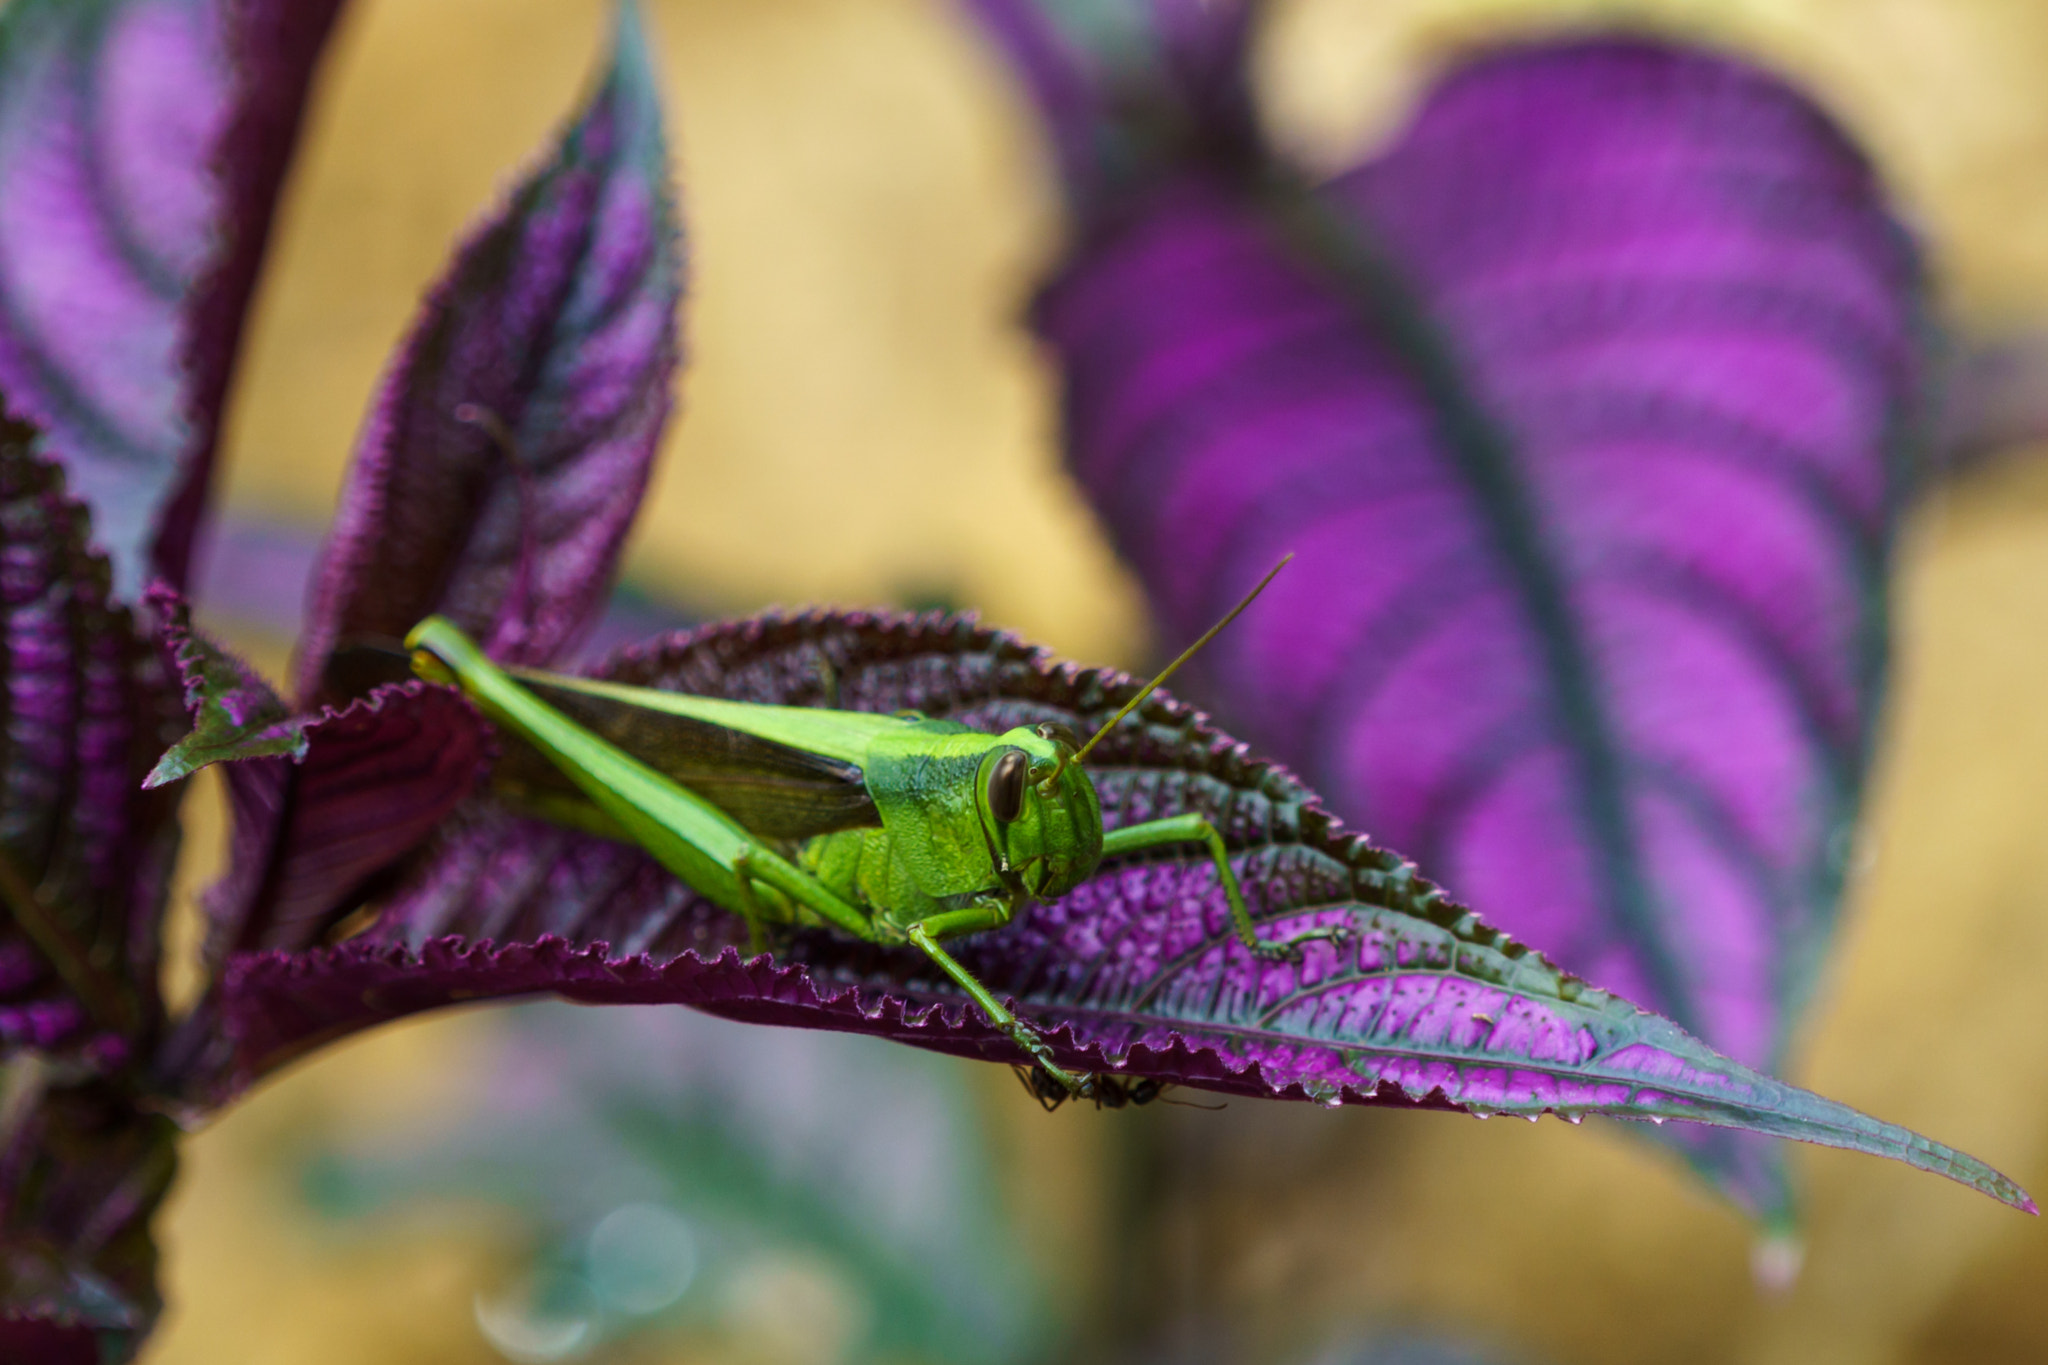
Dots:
pixel 864 419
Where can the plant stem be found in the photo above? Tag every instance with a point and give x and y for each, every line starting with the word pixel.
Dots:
pixel 103 997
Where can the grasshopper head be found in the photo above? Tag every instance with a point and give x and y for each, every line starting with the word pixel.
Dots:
pixel 1039 811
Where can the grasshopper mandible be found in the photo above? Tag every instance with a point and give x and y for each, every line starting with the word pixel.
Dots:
pixel 888 828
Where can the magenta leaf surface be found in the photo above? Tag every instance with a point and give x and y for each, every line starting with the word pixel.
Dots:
pixel 506 454
pixel 1585 407
pixel 321 806
pixel 142 143
pixel 1137 970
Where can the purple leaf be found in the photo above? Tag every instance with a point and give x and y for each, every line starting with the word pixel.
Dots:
pixel 80 1175
pixel 315 823
pixel 85 854
pixel 274 49
pixel 126 262
pixel 510 444
pixel 85 863
pixel 1124 88
pixel 319 803
pixel 366 785
pixel 1136 970
pixel 1994 399
pixel 1584 409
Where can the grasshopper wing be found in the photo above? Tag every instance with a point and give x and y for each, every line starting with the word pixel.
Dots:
pixel 775 790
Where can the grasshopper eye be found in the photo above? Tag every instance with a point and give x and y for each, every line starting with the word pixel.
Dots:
pixel 1006 785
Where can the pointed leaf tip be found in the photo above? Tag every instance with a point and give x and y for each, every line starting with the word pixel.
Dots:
pixel 235 713
pixel 510 443
pixel 633 58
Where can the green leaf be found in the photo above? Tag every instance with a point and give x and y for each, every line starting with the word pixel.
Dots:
pixel 235 713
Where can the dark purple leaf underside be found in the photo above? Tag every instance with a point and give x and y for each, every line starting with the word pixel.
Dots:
pixel 1136 969
pixel 85 854
pixel 125 262
pixel 371 782
pixel 319 803
pixel 508 449
pixel 38 1342
pixel 1583 409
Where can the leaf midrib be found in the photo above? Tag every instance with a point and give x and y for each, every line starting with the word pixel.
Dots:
pixel 1339 244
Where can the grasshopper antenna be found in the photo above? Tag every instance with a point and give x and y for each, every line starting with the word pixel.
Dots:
pixel 1168 671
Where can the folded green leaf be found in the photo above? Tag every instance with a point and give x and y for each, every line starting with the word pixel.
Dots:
pixel 235 712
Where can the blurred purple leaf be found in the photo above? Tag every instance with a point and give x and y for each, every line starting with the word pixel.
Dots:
pixel 1124 89
pixel 1585 407
pixel 38 1342
pixel 142 143
pixel 85 854
pixel 506 454
pixel 274 49
pixel 254 571
pixel 1135 970
pixel 80 1175
pixel 1994 399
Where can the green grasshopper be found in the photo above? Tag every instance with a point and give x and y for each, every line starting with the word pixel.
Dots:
pixel 888 828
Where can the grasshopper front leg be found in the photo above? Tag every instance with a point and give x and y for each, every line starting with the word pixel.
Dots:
pixel 1194 829
pixel 985 914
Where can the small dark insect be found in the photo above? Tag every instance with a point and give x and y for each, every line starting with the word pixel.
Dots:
pixel 1108 1092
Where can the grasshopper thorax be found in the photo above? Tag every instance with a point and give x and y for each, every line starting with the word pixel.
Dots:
pixel 1039 811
